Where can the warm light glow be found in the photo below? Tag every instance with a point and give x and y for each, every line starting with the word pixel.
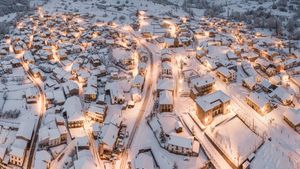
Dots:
pixel 54 53
pixel 95 35
pixel 20 25
pixel 68 67
pixel 8 41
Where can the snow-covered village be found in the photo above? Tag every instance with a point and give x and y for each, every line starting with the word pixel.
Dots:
pixel 150 84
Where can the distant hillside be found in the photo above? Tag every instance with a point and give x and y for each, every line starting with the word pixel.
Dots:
pixel 10 6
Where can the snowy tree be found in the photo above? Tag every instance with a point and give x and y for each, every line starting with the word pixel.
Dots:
pixel 175 166
pixel 162 136
pixel 291 26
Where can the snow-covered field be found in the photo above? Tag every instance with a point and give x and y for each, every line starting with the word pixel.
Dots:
pixel 235 139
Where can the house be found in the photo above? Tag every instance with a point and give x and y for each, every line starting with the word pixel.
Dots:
pixel 85 160
pixel 225 74
pixel 166 69
pixel 96 112
pixel 249 82
pixel 116 93
pixel 182 145
pixel 165 84
pixel 107 139
pixel 52 136
pixel 231 56
pixel 166 56
pixel 70 88
pixel 211 105
pixel 83 143
pixel 53 132
pixel 282 95
pixel 296 80
pixel 72 109
pixel 259 103
pixel 42 159
pixel 124 57
pixel 17 153
pixel 144 160
pixel 95 130
pixel 142 68
pixel 136 94
pixel 31 95
pixel 267 86
pixel 250 56
pixel 138 82
pixel 28 57
pixel 59 96
pixel 165 101
pixel 200 53
pixel 90 93
pixel 248 68
pixel 292 117
pixel 26 128
pixel 202 85
pixel 95 60
pixel 290 63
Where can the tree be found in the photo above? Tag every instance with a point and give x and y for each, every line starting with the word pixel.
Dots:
pixel 175 166
pixel 162 136
pixel 291 26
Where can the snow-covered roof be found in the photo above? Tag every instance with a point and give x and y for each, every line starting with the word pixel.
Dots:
pixel 282 94
pixel 120 54
pixel 166 65
pixel 109 134
pixel 212 100
pixel 180 141
pixel 85 160
pixel 258 98
pixel 98 109
pixel 165 84
pixel 293 115
pixel 26 127
pixel 224 71
pixel 144 160
pixel 138 80
pixel 165 97
pixel 250 81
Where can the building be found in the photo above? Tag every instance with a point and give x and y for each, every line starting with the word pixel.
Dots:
pixel 249 82
pixel 26 128
pixel 70 88
pixel 282 95
pixel 225 74
pixel 165 101
pixel 90 93
pixel 165 84
pixel 142 68
pixel 72 109
pixel 17 153
pixel 259 103
pixel 166 69
pixel 182 145
pixel 42 159
pixel 31 95
pixel 202 85
pixel 96 112
pixel 211 105
pixel 138 82
pixel 292 117
pixel 108 138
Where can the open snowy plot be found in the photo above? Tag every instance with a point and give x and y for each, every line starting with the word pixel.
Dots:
pixel 271 156
pixel 235 140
